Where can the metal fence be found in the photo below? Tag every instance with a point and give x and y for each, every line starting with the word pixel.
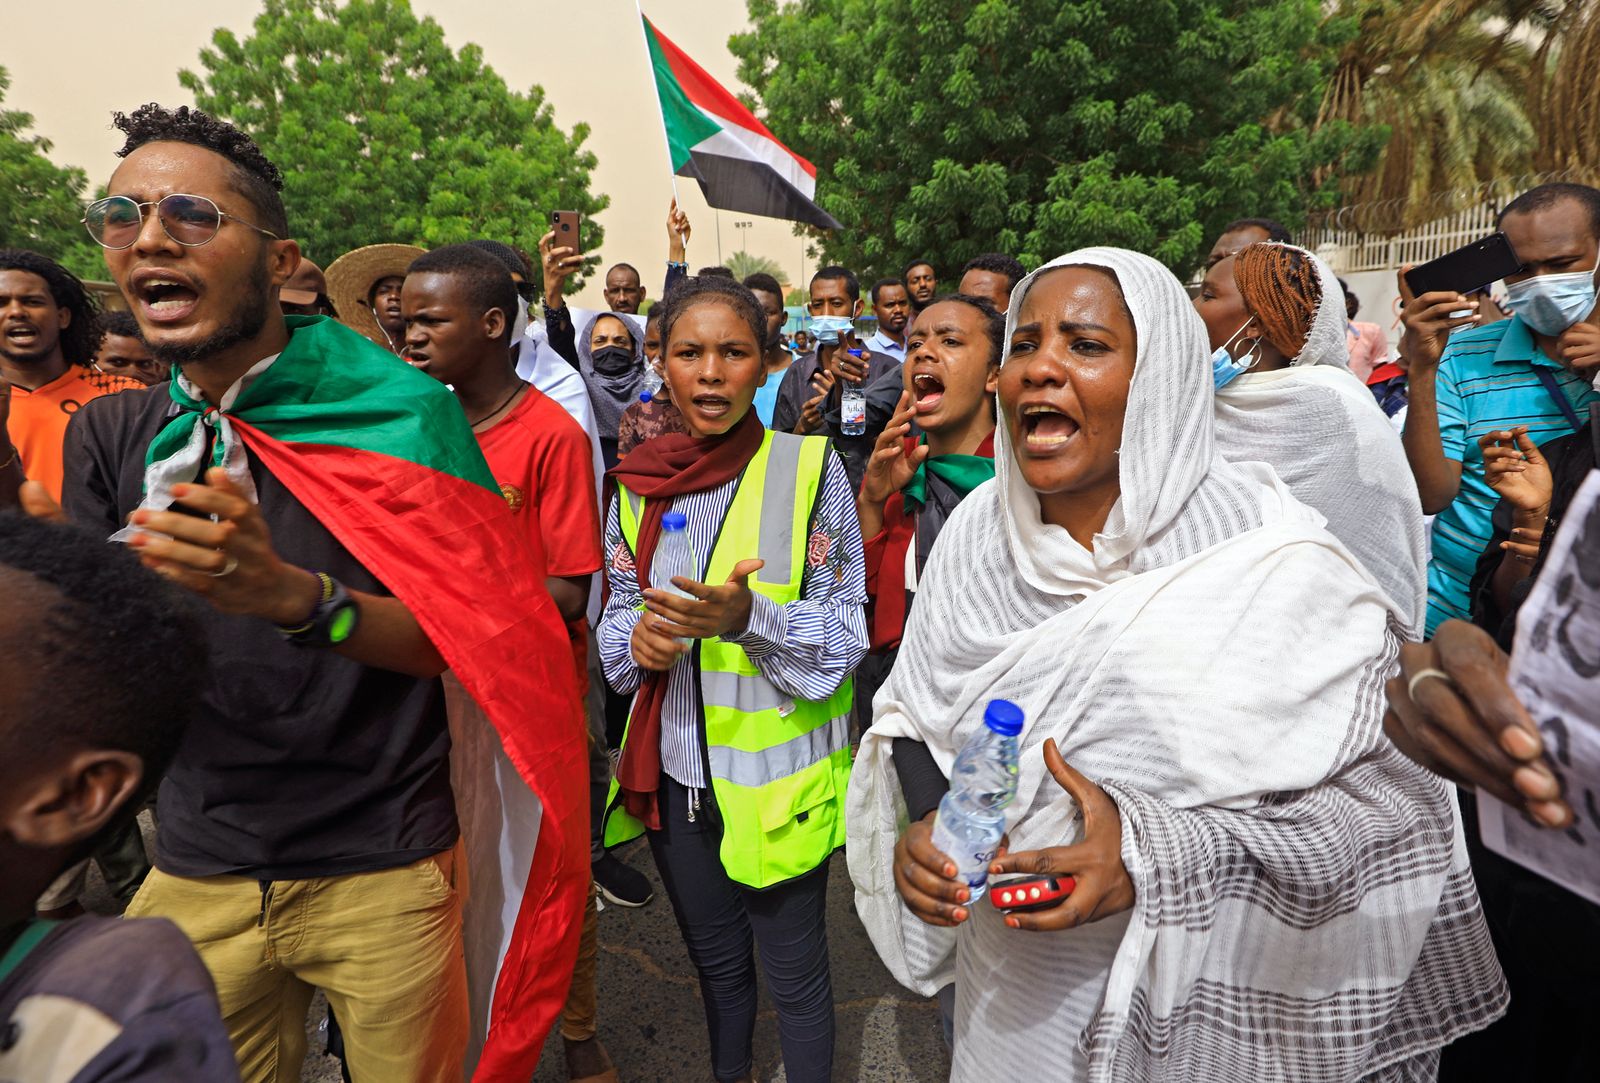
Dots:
pixel 1350 251
pixel 1370 237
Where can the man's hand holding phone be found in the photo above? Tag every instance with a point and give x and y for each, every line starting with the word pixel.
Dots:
pixel 1428 320
pixel 560 263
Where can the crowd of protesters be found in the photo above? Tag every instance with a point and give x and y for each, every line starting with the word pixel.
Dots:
pixel 346 580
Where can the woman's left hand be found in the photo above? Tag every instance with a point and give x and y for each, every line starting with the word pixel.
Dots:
pixel 1095 863
pixel 713 611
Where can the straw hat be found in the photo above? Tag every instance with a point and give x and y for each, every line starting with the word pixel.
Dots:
pixel 352 276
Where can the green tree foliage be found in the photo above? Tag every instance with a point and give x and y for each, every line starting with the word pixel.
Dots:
pixel 1477 93
pixel 384 133
pixel 745 264
pixel 44 201
pixel 946 128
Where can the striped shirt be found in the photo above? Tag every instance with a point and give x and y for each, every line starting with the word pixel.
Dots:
pixel 805 648
pixel 1488 380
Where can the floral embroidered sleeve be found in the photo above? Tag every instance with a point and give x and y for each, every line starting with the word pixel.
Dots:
pixel 808 647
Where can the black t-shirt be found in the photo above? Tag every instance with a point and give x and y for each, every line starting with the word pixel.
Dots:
pixel 101 1000
pixel 300 762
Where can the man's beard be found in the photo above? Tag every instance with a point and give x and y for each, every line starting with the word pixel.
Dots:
pixel 30 356
pixel 244 323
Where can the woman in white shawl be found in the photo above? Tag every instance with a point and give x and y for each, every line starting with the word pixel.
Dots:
pixel 1276 314
pixel 1266 889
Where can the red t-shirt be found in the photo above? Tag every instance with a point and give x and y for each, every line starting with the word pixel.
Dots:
pixel 542 459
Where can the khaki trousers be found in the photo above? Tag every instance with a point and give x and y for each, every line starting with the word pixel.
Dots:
pixel 385 946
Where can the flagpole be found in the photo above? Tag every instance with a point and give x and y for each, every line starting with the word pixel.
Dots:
pixel 665 140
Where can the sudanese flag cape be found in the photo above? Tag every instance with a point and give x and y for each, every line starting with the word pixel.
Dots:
pixel 382 455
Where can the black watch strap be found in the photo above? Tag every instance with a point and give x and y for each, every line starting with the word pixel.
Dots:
pixel 333 620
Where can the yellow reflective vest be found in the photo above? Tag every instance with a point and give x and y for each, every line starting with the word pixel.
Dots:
pixel 778 765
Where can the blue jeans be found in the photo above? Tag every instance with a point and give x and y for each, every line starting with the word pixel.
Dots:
pixel 720 919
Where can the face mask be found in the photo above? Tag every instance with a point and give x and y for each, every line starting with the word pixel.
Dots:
pixel 1552 303
pixel 1224 369
pixel 612 360
pixel 826 329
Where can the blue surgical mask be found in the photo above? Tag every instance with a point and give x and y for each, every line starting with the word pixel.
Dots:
pixel 1552 303
pixel 826 329
pixel 1224 369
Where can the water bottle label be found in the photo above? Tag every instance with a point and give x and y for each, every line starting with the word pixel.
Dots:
pixel 972 864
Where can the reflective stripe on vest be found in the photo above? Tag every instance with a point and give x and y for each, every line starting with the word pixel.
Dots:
pixel 779 766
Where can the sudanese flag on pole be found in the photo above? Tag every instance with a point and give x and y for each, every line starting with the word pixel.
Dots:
pixel 714 139
pixel 382 455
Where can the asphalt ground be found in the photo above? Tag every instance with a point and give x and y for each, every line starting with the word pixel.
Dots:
pixel 651 1019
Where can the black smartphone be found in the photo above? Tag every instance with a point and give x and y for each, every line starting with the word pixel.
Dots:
pixel 565 225
pixel 1469 268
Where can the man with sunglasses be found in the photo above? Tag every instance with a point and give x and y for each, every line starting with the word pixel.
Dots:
pixel 48 332
pixel 307 829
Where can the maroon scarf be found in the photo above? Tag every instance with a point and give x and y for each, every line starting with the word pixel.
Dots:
pixel 668 466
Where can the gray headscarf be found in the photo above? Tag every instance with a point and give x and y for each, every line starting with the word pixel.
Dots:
pixel 611 389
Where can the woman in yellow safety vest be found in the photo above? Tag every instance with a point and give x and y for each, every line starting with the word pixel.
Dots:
pixel 737 752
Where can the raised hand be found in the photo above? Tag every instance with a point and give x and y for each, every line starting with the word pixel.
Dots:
pixel 559 265
pixel 1428 322
pixel 224 554
pixel 678 231
pixel 1514 468
pixel 892 466
pixel 811 412
pixel 1579 346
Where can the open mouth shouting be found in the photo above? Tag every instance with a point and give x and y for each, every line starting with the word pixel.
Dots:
pixel 712 407
pixel 1043 429
pixel 21 334
pixel 163 296
pixel 927 392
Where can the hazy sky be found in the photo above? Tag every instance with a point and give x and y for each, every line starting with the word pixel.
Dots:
pixel 74 61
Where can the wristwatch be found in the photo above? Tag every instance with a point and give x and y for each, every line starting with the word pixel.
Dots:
pixel 331 623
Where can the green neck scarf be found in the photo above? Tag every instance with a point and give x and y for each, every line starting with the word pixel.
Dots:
pixel 963 473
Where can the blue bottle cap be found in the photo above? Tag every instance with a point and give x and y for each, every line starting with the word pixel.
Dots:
pixel 675 520
pixel 644 396
pixel 1004 717
pixel 855 353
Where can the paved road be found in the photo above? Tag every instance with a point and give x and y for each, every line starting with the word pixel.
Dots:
pixel 650 1014
pixel 652 1022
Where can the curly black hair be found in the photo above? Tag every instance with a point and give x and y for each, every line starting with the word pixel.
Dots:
pixel 710 289
pixel 120 323
pixel 111 657
pixel 256 178
pixel 994 321
pixel 82 335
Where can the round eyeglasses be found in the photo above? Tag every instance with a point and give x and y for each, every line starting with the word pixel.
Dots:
pixel 115 222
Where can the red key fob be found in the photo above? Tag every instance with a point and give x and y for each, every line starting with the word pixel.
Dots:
pixel 1030 893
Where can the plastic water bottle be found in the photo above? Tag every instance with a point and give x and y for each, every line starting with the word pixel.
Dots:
pixel 674 556
pixel 652 384
pixel 853 410
pixel 972 816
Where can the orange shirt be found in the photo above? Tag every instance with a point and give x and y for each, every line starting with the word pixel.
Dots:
pixel 38 424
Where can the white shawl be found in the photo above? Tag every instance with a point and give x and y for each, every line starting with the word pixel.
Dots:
pixel 1216 663
pixel 1324 434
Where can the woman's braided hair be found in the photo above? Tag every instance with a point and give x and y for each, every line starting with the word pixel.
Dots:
pixel 1281 289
